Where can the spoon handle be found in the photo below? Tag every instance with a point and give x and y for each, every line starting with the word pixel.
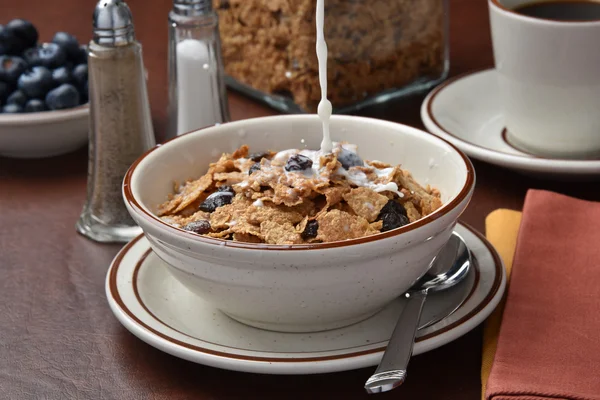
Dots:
pixel 391 371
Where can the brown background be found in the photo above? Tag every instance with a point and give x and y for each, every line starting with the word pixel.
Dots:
pixel 58 338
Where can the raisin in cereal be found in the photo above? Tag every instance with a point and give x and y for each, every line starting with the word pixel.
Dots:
pixel 298 197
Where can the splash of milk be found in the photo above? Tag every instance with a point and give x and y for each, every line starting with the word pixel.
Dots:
pixel 357 177
pixel 324 109
pixel 258 203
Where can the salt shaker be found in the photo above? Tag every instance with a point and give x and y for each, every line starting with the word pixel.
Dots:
pixel 197 96
pixel 120 122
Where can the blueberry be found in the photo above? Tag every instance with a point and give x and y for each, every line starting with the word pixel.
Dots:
pixel 17 97
pixel 393 215
pixel 392 221
pixel 24 30
pixel 215 200
pixel 32 56
pixel 84 93
pixel 226 188
pixel 298 162
pixel 81 56
pixel 256 157
pixel 52 55
pixel 12 109
pixel 80 74
pixel 11 68
pixel 200 227
pixel 349 159
pixel 35 82
pixel 393 207
pixel 49 55
pixel 310 231
pixel 64 96
pixel 9 43
pixel 35 105
pixel 4 91
pixel 61 75
pixel 69 44
pixel 3 49
pixel 255 167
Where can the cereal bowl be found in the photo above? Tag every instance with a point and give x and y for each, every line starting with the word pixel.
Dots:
pixel 44 134
pixel 303 287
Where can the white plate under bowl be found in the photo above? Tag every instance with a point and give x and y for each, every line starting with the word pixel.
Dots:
pixel 155 307
pixel 466 111
pixel 44 134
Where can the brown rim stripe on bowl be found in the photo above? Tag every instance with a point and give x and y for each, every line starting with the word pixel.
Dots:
pixel 469 183
pixel 145 307
pixel 117 298
pixel 510 10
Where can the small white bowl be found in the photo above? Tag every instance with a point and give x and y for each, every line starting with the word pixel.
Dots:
pixel 44 134
pixel 300 288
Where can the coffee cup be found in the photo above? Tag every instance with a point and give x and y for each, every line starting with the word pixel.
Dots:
pixel 548 60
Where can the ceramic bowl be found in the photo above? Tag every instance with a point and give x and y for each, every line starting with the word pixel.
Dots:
pixel 43 134
pixel 300 288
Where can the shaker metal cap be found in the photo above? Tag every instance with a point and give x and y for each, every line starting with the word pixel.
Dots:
pixel 191 8
pixel 113 23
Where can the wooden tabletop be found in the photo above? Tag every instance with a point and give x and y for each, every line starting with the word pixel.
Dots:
pixel 58 338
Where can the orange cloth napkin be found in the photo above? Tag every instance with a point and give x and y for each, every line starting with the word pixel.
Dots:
pixel 501 229
pixel 549 341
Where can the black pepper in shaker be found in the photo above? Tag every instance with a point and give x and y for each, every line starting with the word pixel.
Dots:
pixel 120 122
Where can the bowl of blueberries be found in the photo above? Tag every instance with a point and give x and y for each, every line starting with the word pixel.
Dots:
pixel 43 92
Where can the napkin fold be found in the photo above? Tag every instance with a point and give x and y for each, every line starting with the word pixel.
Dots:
pixel 548 346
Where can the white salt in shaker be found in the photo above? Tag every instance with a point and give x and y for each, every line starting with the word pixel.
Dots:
pixel 120 122
pixel 197 96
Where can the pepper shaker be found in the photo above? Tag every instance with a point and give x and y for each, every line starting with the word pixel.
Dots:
pixel 197 96
pixel 120 122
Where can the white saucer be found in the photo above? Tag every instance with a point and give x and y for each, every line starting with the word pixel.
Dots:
pixel 466 111
pixel 160 311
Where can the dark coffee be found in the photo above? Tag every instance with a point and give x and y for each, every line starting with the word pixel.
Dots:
pixel 575 10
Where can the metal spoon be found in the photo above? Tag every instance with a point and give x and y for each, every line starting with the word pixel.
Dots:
pixel 450 266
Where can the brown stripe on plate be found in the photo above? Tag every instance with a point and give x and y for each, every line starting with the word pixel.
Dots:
pixel 145 307
pixel 437 91
pixel 115 294
pixel 503 134
pixel 514 146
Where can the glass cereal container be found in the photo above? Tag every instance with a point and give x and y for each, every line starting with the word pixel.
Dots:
pixel 378 50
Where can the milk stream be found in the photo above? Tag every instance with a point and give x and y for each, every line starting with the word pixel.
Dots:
pixel 324 109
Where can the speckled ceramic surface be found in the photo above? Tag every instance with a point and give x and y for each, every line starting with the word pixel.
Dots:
pixel 159 310
pixel 301 288
pixel 466 111
pixel 43 134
